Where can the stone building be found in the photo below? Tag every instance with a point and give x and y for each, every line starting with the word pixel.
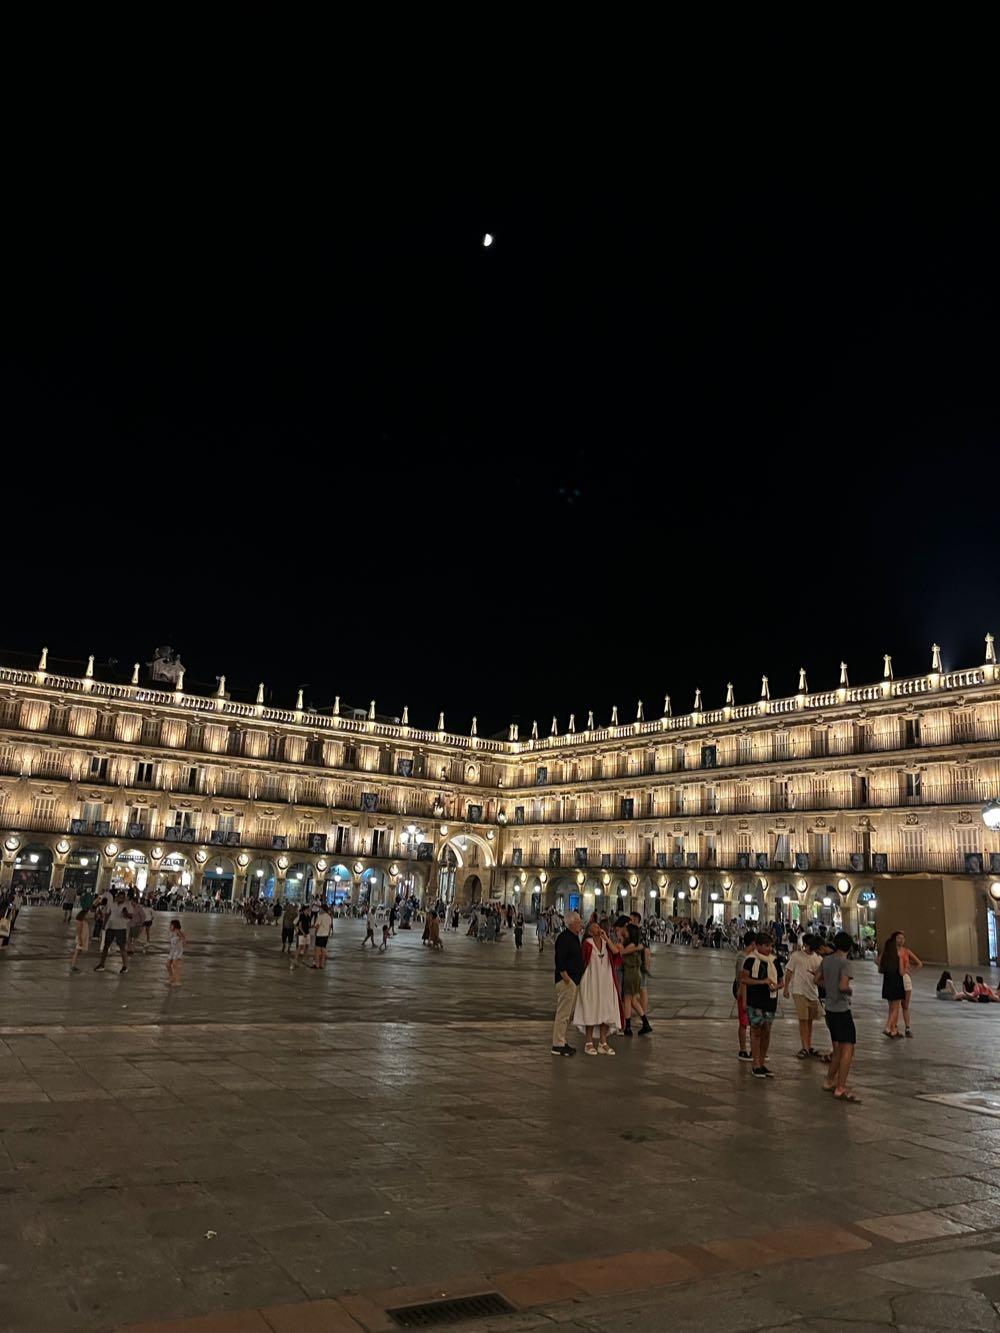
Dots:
pixel 834 805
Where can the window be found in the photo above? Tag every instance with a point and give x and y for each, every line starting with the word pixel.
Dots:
pixel 266 829
pixel 913 786
pixel 820 741
pixel 744 750
pixel 350 756
pixel 627 807
pixel 44 810
pixel 92 811
pixel 912 847
pixel 780 744
pixel 711 801
pixel 965 783
pixel 378 842
pixel 181 819
pixel 340 840
pixel 781 853
pixel 143 773
pixel 679 757
pixel 99 769
pixel 911 731
pixel 819 791
pixel 821 850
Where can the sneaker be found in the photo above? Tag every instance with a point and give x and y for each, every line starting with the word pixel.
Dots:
pixel 74 969
pixel 767 1072
pixel 99 967
pixel 744 1055
pixel 758 1073
pixel 568 1049
pixel 122 971
pixel 646 1028
pixel 563 1050
pixel 909 1033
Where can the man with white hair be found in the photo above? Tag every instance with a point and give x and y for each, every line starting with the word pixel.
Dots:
pixel 569 972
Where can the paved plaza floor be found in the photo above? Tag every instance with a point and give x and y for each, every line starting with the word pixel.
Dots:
pixel 298 1151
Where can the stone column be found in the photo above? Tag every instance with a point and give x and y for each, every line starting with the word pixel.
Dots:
pixel 58 875
pixel 239 886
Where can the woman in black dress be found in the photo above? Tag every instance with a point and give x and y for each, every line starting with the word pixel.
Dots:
pixel 893 989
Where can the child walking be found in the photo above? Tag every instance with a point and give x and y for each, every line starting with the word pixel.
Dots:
pixel 175 952
pixel 385 939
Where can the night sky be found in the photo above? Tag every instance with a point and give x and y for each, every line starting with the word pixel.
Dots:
pixel 674 428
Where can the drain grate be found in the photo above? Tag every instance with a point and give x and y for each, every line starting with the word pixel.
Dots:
pixel 434 1314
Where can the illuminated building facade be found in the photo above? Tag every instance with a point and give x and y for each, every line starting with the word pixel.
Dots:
pixel 826 805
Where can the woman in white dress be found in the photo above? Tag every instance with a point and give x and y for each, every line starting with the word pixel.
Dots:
pixel 597 1001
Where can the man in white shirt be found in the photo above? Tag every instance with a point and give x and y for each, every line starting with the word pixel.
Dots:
pixel 801 977
pixel 323 926
pixel 116 929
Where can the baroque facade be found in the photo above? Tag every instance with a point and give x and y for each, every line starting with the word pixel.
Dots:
pixel 817 805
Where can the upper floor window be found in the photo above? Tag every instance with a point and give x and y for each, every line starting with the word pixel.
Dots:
pixel 144 772
pixel 99 769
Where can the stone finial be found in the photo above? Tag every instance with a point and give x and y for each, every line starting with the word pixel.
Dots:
pixel 90 667
pixel 260 693
pixel 336 706
pixel 886 667
pixel 572 722
pixel 179 683
pixel 936 657
pixel 516 731
pixel 667 709
pixel 475 724
pixel 638 712
pixel 534 731
pixel 991 651
pixel 555 728
pixel 43 661
pixel 730 696
pixel 614 715
pixel 371 707
pixel 843 674
pixel 440 721
pixel 406 715
pixel 590 719
pixel 765 689
pixel 697 701
pixel 510 735
pixel 222 687
pixel 298 701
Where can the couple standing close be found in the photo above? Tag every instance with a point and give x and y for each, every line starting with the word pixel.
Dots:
pixel 586 993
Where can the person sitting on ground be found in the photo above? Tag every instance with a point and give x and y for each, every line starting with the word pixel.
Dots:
pixel 946 989
pixel 968 986
pixel 985 994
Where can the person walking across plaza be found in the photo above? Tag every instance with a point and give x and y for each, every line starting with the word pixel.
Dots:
pixel 839 1018
pixel 801 978
pixel 175 952
pixel 82 924
pixel 541 930
pixel 597 1001
pixel 369 929
pixel 760 979
pixel 569 974
pixel 519 931
pixel 632 955
pixel 116 931
pixel 908 962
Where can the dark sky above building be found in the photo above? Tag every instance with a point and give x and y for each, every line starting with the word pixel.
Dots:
pixel 703 411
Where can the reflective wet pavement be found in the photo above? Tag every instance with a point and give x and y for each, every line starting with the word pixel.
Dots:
pixel 394 1127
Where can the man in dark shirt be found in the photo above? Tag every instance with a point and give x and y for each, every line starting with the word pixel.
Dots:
pixel 569 973
pixel 759 980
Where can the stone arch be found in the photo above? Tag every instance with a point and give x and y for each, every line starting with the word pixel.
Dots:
pixel 262 877
pixel 174 872
pixel 458 842
pixel 33 864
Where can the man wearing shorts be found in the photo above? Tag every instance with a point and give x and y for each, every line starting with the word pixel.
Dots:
pixel 801 976
pixel 116 931
pixel 839 1019
pixel 760 979
pixel 324 924
pixel 740 997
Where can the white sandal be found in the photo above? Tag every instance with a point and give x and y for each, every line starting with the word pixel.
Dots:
pixel 605 1049
pixel 589 1049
